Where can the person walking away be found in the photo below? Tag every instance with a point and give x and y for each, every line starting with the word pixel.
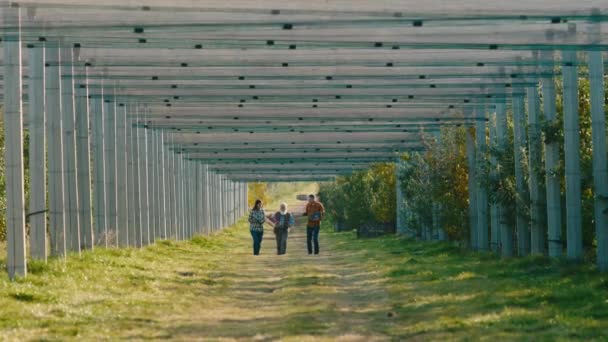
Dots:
pixel 315 213
pixel 256 226
pixel 283 220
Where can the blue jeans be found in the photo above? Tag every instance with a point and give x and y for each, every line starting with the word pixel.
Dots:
pixel 312 237
pixel 281 236
pixel 257 240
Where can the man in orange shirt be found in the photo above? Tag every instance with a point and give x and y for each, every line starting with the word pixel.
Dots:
pixel 315 212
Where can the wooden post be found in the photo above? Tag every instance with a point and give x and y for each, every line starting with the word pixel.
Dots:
pixel 552 161
pixel 143 182
pixel 537 198
pixel 218 202
pixel 174 195
pixel 83 155
pixel 195 197
pixel 178 197
pixel 574 243
pixel 222 208
pixel 137 186
pixel 519 146
pixel 185 200
pixel 55 151
pixel 122 193
pixel 191 200
pixel 132 187
pixel 211 189
pixel 203 200
pixel 234 201
pixel 152 191
pixel 164 210
pixel 171 205
pixel 158 182
pixel 206 197
pixel 13 152
pixel 36 111
pixel 229 202
pixel 600 165
pixel 70 175
pixel 494 206
pixel 188 199
pixel 470 151
pixel 482 192
pixel 399 191
pixel 153 153
pixel 99 189
pixel 506 231
pixel 110 169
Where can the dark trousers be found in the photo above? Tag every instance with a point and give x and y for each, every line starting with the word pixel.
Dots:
pixel 281 235
pixel 257 241
pixel 312 238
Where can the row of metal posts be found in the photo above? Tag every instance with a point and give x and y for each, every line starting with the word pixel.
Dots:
pixel 539 230
pixel 111 182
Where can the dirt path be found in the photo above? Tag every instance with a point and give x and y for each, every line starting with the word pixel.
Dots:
pixel 290 297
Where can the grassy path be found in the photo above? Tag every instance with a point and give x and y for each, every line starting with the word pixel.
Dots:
pixel 204 289
pixel 294 296
pixel 356 290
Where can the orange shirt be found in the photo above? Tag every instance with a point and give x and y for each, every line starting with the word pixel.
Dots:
pixel 311 208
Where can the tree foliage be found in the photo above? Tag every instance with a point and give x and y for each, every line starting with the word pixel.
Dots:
pixel 363 197
pixel 438 176
pixel 257 191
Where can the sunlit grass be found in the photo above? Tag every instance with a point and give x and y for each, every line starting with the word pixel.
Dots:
pixel 441 292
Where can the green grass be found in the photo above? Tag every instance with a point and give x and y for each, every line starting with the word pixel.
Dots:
pixel 370 289
pixel 440 291
pixel 115 293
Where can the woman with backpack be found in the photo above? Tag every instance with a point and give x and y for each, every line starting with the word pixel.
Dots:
pixel 256 226
pixel 282 221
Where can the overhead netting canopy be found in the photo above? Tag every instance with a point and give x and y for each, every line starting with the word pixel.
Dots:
pixel 294 90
